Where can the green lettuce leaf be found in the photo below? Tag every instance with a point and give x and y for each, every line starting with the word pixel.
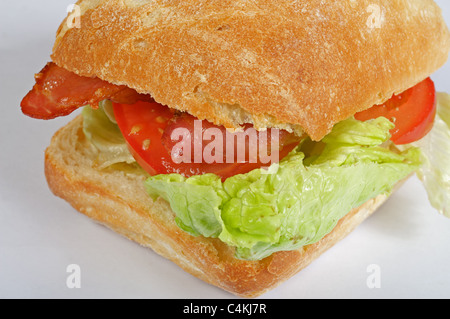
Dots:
pixel 435 147
pixel 101 130
pixel 296 202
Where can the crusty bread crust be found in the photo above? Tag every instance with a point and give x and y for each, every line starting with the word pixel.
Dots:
pixel 303 65
pixel 117 199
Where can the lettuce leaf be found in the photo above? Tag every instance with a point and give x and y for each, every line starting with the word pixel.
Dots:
pixel 106 136
pixel 300 200
pixel 435 147
pixel 296 202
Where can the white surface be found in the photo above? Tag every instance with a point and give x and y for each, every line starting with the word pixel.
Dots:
pixel 40 235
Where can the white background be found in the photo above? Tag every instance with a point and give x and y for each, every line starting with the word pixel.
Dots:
pixel 40 235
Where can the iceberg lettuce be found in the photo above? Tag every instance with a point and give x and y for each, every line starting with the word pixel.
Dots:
pixel 297 201
pixel 435 147
pixel 105 135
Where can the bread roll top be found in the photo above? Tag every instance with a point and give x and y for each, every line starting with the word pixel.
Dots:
pixel 297 65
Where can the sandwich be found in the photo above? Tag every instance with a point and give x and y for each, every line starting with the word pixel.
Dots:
pixel 242 139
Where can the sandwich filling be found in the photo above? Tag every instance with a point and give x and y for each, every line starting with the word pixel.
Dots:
pixel 258 191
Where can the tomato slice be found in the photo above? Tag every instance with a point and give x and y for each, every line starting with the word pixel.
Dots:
pixel 142 124
pixel 412 112
pixel 157 138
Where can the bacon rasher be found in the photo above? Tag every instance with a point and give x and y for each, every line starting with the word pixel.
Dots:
pixel 59 92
